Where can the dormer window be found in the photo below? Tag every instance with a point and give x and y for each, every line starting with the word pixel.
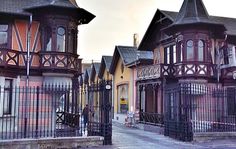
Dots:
pixel 3 35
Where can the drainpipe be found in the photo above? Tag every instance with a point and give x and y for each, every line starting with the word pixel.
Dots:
pixel 28 51
pixel 27 75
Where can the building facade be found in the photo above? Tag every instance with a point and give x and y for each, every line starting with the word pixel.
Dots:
pixel 191 84
pixel 38 47
pixel 123 68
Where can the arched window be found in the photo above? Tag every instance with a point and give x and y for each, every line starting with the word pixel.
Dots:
pixel 190 51
pixel 200 50
pixel 61 39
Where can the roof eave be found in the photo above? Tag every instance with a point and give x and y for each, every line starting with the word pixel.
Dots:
pixel 175 28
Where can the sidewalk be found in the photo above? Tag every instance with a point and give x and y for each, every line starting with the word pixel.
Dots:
pixel 131 138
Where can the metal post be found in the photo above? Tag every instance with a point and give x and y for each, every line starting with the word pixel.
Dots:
pixel 27 74
pixel 37 111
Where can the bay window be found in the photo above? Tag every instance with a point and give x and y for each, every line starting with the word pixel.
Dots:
pixel 193 50
pixel 59 38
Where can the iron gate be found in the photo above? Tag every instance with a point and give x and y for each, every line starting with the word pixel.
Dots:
pixel 100 117
pixel 177 113
pixel 198 108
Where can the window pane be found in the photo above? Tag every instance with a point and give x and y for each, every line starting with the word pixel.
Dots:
pixel 48 43
pixel 190 52
pixel 200 50
pixel 174 54
pixel 180 55
pixel 3 35
pixel 7 83
pixel 3 38
pixel 168 55
pixel 7 97
pixel 72 40
pixel 6 107
pixel 3 28
pixel 61 39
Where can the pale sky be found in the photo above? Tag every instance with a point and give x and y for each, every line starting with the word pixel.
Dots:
pixel 117 20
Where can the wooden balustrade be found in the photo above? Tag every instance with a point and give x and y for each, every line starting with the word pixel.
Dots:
pixel 44 60
pixel 187 69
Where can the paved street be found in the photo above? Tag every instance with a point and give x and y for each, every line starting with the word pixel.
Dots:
pixel 131 138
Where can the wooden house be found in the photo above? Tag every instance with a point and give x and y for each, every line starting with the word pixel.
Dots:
pixel 190 87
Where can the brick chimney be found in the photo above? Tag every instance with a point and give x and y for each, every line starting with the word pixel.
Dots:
pixel 136 40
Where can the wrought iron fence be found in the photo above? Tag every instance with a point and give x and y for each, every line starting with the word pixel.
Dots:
pixel 39 112
pixel 100 121
pixel 196 107
pixel 152 118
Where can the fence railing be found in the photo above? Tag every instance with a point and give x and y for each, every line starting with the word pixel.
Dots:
pixel 152 118
pixel 39 112
pixel 197 107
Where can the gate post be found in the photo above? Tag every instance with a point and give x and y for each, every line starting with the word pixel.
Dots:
pixel 106 107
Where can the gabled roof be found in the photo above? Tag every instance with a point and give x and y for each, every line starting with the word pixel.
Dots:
pixel 105 64
pixel 87 75
pixel 94 70
pixel 144 57
pixel 153 34
pixel 128 55
pixel 25 7
pixel 229 23
pixel 54 3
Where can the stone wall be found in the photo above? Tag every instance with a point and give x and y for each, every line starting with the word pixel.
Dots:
pixel 52 143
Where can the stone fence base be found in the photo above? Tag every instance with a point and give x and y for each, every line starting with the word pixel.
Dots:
pixel 206 136
pixel 52 143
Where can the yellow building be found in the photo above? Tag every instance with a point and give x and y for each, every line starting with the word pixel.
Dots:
pixel 123 69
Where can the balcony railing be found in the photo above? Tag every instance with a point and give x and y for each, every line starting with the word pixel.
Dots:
pixel 43 60
pixel 58 60
pixel 195 69
pixel 9 57
pixel 154 71
pixel 190 69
